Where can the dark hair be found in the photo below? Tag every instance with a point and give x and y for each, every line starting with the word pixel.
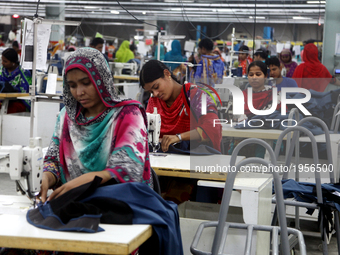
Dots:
pixel 153 70
pixel 11 55
pixel 260 64
pixel 97 41
pixel 133 47
pixel 273 61
pixel 15 44
pixel 244 48
pixel 155 38
pixel 261 53
pixel 310 41
pixel 206 43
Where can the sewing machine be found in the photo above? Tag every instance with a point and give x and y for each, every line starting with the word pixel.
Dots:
pixel 24 166
pixel 118 67
pixel 154 129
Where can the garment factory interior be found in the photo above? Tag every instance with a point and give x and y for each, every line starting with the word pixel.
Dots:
pixel 170 127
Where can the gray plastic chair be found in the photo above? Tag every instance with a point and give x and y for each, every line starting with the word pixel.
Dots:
pixel 222 226
pixel 297 204
pixel 335 119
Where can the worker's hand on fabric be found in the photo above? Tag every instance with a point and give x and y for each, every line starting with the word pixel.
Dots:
pixel 46 180
pixel 85 178
pixel 167 140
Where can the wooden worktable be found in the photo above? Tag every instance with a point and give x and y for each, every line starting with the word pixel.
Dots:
pixel 13 95
pixel 187 166
pixel 126 77
pixel 16 232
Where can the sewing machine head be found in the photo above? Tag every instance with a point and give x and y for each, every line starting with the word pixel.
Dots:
pixel 24 165
pixel 129 68
pixel 154 129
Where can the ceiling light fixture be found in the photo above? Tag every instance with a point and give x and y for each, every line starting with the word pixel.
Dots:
pixel 298 17
pixel 115 12
pixel 258 17
pixel 316 2
pixel 224 10
pixel 144 13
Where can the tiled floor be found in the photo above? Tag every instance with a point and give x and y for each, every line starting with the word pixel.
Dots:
pixel 7 187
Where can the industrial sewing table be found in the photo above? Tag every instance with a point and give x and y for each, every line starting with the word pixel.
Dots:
pixel 253 191
pixel 16 232
pixel 269 135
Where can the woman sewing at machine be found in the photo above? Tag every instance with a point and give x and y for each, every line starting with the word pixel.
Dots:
pixel 180 108
pixel 14 79
pixel 97 133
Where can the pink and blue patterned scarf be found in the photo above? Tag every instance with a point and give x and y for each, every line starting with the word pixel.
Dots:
pixel 115 140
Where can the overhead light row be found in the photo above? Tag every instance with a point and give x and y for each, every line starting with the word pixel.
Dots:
pixel 298 17
pixel 295 17
pixel 117 12
pixel 250 17
pixel 316 2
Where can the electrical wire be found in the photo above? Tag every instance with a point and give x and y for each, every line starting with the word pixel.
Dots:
pixel 141 21
pixel 254 31
pixel 284 28
pixel 36 12
pixel 179 22
pixel 238 19
pixel 212 37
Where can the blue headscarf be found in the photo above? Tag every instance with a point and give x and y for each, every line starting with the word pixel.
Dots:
pixel 174 55
pixel 161 55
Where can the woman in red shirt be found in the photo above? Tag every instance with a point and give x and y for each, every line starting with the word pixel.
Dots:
pixel 180 108
pixel 312 74
pixel 244 58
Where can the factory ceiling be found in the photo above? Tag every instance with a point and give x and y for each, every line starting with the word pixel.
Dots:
pixel 237 11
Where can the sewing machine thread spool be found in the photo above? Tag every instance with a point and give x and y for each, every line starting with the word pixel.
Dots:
pixel 239 71
pixel 234 71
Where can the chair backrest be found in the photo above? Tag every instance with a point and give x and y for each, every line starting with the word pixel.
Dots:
pixel 327 138
pixel 294 114
pixel 290 154
pixel 228 188
pixel 335 119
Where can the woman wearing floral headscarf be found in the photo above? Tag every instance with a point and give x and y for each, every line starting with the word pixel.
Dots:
pixel 97 133
pixel 286 60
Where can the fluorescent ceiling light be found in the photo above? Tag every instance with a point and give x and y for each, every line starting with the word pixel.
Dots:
pixel 138 37
pixel 144 13
pixel 90 7
pixel 316 2
pixel 257 17
pixel 115 12
pixel 224 10
pixel 298 17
